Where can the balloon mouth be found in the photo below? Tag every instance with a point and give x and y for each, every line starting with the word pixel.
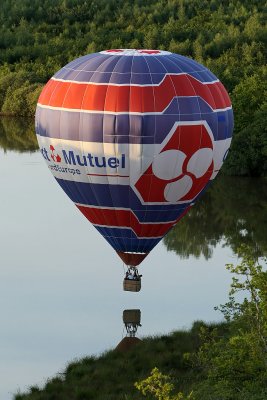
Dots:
pixel 132 259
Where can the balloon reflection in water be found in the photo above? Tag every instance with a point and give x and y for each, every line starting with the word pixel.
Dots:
pixel 131 320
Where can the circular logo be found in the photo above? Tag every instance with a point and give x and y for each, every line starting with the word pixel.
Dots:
pixel 182 168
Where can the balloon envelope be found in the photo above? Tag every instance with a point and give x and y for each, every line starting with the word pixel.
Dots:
pixel 134 137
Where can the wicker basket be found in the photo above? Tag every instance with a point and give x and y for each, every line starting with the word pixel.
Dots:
pixel 131 285
pixel 131 316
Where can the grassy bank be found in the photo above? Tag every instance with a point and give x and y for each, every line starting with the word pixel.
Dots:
pixel 226 361
pixel 112 375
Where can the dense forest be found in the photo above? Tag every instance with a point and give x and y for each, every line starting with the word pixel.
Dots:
pixel 38 37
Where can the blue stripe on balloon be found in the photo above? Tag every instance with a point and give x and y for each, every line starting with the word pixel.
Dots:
pixel 129 128
pixel 125 240
pixel 139 70
pixel 119 78
pixel 119 196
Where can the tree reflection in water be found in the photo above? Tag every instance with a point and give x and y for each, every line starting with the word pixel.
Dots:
pixel 17 134
pixel 233 211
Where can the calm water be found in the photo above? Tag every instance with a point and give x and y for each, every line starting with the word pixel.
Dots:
pixel 61 292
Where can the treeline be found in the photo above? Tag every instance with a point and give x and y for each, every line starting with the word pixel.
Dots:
pixel 38 37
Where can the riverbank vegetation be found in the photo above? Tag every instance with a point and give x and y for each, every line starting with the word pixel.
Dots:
pixel 38 37
pixel 223 361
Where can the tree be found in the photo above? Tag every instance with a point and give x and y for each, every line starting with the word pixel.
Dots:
pixel 160 387
pixel 22 101
pixel 232 365
pixel 235 365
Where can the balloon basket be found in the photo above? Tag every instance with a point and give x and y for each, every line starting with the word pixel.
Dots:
pixel 130 285
pixel 131 316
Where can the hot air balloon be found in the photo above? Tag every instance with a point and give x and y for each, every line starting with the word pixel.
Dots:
pixel 134 137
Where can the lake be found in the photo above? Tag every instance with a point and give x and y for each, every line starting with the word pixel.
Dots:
pixel 61 284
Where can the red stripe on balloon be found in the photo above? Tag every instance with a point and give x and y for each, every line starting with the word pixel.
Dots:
pixel 126 219
pixel 143 99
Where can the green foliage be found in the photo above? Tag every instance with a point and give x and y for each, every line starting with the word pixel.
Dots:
pixel 235 365
pixel 112 375
pixel 38 37
pixel 22 100
pixel 252 312
pixel 232 366
pixel 250 145
pixel 160 387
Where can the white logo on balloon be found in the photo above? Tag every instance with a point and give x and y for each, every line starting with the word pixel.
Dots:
pixel 168 165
